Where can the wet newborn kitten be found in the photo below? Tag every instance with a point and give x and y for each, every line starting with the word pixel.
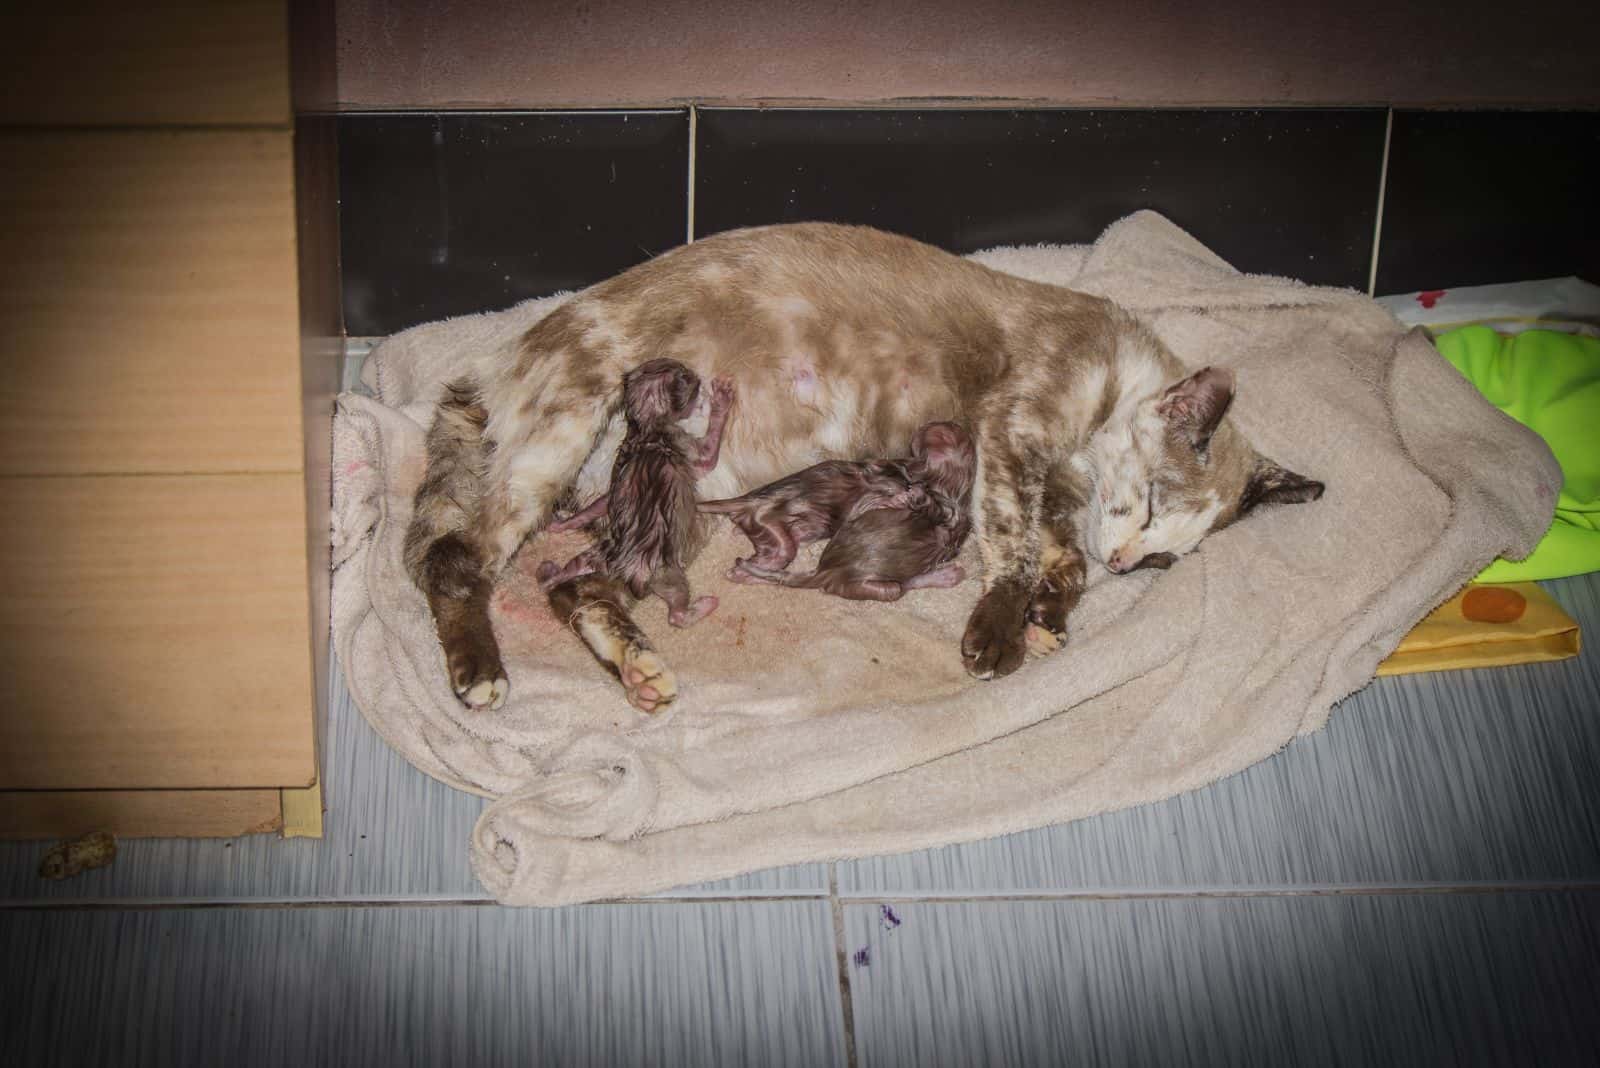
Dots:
pixel 650 505
pixel 903 535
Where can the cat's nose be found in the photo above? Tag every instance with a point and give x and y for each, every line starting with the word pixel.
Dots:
pixel 1120 562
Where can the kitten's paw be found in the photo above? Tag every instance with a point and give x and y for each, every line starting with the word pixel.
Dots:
pixel 995 642
pixel 647 681
pixel 702 607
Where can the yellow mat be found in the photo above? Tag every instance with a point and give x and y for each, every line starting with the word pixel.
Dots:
pixel 1487 626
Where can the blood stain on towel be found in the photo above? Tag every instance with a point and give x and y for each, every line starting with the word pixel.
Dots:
pixel 862 958
pixel 1493 604
pixel 525 609
pixel 1429 297
pixel 887 918
pixel 518 600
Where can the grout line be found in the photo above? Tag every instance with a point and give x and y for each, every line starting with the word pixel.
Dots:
pixel 1240 893
pixel 242 904
pixel 284 904
pixel 842 955
pixel 1383 186
pixel 694 126
pixel 832 895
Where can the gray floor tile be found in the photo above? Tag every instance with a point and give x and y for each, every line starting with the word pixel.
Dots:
pixel 1458 777
pixel 1432 979
pixel 725 983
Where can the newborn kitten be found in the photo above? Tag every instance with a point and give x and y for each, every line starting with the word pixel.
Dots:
pixel 651 504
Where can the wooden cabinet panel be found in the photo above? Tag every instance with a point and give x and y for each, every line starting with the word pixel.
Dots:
pixel 139 813
pixel 154 633
pixel 148 302
pixel 172 61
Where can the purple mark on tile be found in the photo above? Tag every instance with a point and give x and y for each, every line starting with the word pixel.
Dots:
pixel 862 958
pixel 887 918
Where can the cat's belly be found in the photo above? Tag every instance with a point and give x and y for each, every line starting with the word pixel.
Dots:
pixel 780 425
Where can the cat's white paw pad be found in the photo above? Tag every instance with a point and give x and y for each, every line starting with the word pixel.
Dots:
pixel 487 694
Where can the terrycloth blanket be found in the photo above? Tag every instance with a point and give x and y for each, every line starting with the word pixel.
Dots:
pixel 811 728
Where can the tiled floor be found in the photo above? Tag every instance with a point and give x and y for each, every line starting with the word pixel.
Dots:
pixel 1417 884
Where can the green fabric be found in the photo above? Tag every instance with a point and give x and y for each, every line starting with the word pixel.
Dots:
pixel 1550 383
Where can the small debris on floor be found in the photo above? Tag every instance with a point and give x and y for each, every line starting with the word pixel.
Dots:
pixel 76 855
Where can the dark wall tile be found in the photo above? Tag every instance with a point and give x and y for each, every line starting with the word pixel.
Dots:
pixel 1290 192
pixel 1476 197
pixel 456 213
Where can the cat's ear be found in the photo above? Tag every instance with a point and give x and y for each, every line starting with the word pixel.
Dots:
pixel 1195 406
pixel 1271 484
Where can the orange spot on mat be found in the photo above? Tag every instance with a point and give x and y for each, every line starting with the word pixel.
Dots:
pixel 1493 604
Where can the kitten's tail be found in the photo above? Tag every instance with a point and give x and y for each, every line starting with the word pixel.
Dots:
pixel 725 506
pixel 807 581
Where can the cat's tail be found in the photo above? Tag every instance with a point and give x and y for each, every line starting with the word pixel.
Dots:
pixel 439 550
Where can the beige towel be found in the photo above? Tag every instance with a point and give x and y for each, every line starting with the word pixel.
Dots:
pixel 810 728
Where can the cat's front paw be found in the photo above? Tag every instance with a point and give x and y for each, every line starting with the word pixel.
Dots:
pixel 995 642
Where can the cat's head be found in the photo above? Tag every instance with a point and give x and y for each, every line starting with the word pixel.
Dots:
pixel 1171 470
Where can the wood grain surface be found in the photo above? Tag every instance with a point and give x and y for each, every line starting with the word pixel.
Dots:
pixel 175 61
pixel 149 300
pixel 154 633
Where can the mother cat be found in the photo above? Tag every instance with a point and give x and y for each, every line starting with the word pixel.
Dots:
pixel 840 342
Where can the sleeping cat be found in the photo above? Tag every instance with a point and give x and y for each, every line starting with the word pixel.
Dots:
pixel 1092 441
